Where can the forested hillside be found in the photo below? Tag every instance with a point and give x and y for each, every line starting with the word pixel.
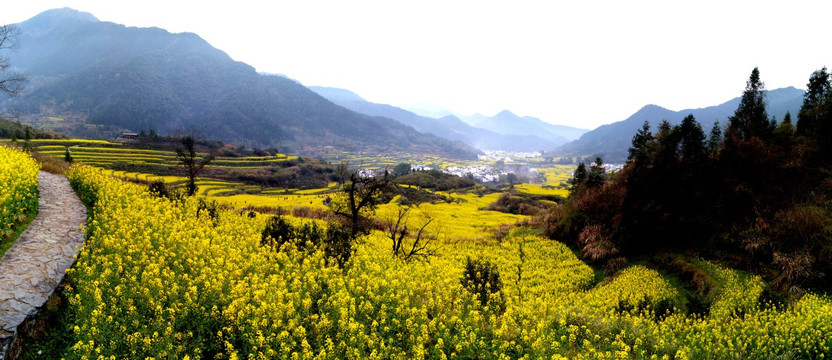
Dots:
pixel 757 195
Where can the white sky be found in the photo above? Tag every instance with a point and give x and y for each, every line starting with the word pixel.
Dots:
pixel 578 63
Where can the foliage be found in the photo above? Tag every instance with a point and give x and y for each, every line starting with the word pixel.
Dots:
pixel 435 180
pixel 750 119
pixel 513 202
pixel 811 113
pixel 307 237
pixel 339 245
pixel 158 188
pixel 482 279
pixel 402 169
pixel 68 156
pixel 758 193
pixel 411 195
pixel 15 130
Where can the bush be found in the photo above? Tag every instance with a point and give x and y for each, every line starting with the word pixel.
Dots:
pixel 278 231
pixel 436 180
pixel 483 279
pixel 338 244
pixel 159 189
pixel 309 237
pixel 518 204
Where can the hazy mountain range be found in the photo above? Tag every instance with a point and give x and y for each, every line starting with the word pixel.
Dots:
pixel 504 131
pixel 117 77
pixel 88 74
pixel 612 141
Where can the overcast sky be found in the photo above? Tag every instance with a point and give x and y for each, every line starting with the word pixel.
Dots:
pixel 578 63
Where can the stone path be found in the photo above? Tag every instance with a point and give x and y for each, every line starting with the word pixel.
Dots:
pixel 32 268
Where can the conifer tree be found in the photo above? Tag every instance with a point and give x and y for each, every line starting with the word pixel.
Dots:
pixel 715 139
pixel 596 176
pixel 692 140
pixel 640 142
pixel 579 176
pixel 68 155
pixel 811 110
pixel 750 119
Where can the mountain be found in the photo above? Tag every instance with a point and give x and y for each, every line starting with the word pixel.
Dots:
pixel 107 76
pixel 473 120
pixel 508 123
pixel 611 141
pixel 505 122
pixel 427 110
pixel 449 127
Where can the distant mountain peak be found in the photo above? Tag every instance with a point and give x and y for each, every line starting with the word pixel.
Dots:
pixel 64 14
pixel 652 107
pixel 611 141
pixel 651 110
pixel 506 113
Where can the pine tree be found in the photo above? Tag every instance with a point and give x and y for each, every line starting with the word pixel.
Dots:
pixel 811 110
pixel 715 139
pixel 692 140
pixel 27 140
pixel 750 119
pixel 641 141
pixel 68 156
pixel 596 176
pixel 578 177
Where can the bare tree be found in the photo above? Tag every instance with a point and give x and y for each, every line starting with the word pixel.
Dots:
pixel 361 195
pixel 422 245
pixel 193 163
pixel 11 82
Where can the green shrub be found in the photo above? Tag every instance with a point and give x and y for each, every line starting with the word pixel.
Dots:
pixel 483 279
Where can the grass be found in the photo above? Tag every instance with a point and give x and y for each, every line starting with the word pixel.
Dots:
pixel 50 335
pixel 6 244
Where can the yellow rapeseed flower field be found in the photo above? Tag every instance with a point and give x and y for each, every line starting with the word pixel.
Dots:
pixel 18 189
pixel 162 279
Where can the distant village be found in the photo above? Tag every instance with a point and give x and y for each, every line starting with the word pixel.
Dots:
pixel 481 173
pixel 505 163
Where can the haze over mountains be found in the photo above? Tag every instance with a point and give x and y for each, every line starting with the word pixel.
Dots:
pixel 101 73
pixel 505 131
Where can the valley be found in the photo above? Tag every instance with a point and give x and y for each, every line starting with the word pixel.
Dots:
pixel 234 213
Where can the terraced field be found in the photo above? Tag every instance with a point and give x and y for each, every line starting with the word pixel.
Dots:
pixel 106 154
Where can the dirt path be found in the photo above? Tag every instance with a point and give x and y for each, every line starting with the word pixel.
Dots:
pixel 32 268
